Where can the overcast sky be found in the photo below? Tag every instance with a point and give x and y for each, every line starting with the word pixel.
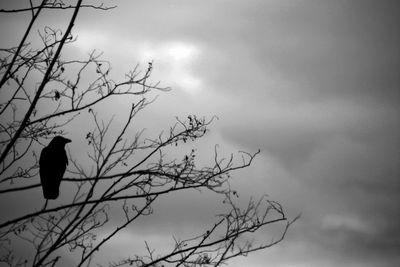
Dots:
pixel 314 84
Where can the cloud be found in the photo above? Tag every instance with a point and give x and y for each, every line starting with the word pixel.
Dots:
pixel 347 223
pixel 292 132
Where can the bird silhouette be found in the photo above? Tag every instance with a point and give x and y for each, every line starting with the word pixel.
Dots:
pixel 52 164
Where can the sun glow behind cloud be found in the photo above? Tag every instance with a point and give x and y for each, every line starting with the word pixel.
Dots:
pixel 174 60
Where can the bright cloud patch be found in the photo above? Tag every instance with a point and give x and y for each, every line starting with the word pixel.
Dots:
pixel 176 60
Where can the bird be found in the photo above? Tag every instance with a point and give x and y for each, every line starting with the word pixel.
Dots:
pixel 52 165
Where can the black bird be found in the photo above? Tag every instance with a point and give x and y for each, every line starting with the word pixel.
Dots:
pixel 53 162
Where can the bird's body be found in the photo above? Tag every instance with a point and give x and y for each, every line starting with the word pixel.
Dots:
pixel 53 163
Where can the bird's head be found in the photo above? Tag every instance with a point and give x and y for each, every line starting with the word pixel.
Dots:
pixel 59 141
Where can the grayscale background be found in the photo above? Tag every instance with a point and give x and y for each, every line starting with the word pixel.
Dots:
pixel 314 84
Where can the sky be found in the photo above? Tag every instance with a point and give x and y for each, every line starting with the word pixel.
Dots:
pixel 314 84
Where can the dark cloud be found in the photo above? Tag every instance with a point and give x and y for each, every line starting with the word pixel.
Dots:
pixel 345 50
pixel 350 243
pixel 323 50
pixel 345 162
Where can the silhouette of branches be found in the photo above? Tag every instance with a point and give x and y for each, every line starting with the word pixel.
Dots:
pixel 43 92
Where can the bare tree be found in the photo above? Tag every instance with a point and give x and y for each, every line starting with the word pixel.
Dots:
pixel 42 94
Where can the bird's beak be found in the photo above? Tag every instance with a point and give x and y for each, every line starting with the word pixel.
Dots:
pixel 67 141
